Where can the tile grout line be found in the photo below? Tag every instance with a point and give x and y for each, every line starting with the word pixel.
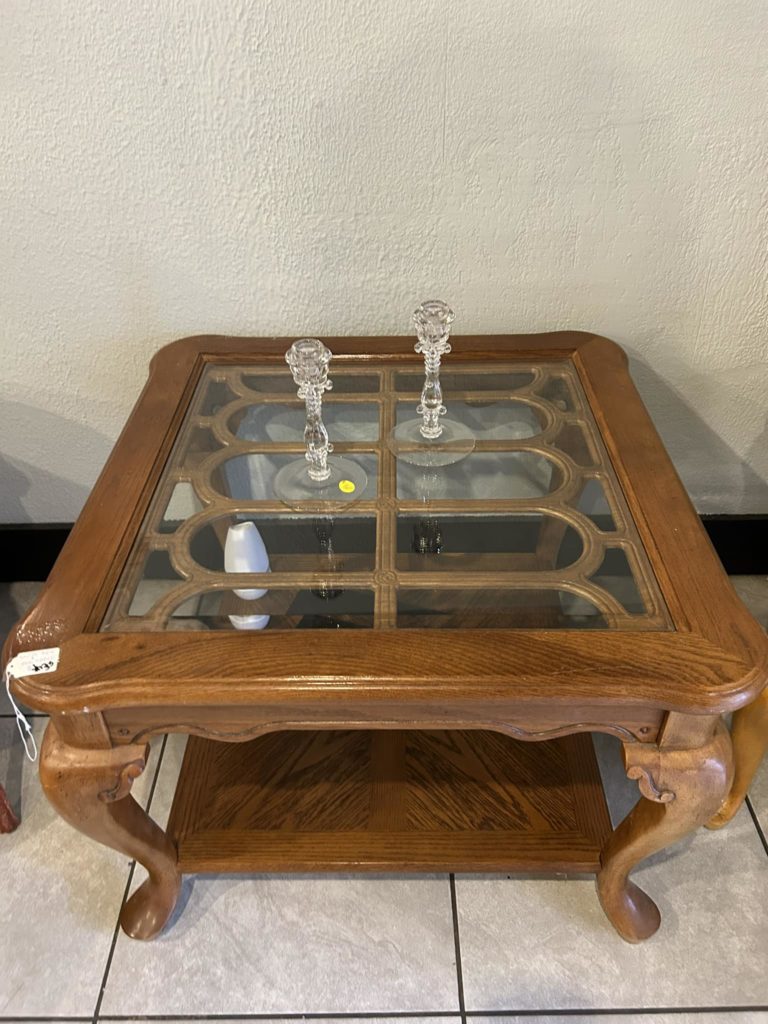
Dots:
pixel 756 823
pixel 615 1011
pixel 457 948
pixel 621 1011
pixel 116 932
pixel 392 1015
pixel 111 953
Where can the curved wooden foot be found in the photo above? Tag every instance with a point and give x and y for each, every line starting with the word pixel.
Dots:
pixel 8 820
pixel 681 789
pixel 91 790
pixel 749 733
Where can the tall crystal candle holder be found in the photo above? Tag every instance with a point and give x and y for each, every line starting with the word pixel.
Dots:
pixel 434 439
pixel 320 476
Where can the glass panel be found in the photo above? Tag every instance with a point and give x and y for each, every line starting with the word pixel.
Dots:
pixel 278 609
pixel 251 477
pixel 557 391
pixel 593 503
pixel 416 546
pixel 510 380
pixel 503 543
pixel 295 543
pixel 345 421
pixel 182 504
pixel 217 394
pixel 482 475
pixel 195 447
pixel 573 441
pixel 282 383
pixel 616 576
pixel 493 609
pixel 158 577
pixel 505 420
pixel 147 594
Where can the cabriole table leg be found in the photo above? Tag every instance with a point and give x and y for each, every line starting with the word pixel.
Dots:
pixel 90 788
pixel 681 788
pixel 749 734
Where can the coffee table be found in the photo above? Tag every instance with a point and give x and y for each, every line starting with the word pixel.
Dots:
pixel 437 653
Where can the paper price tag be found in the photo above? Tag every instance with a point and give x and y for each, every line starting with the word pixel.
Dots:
pixel 29 663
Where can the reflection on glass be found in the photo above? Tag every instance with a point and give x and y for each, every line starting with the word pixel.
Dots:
pixel 346 421
pixel 198 444
pixel 504 420
pixel 573 441
pixel 158 577
pixel 182 504
pixel 483 543
pixel 557 391
pixel 416 527
pixel 616 576
pixel 332 564
pixel 594 504
pixel 485 475
pixel 287 609
pixel 296 543
pixel 491 609
pixel 508 381
pixel 251 477
pixel 426 539
pixel 217 394
pixel 282 383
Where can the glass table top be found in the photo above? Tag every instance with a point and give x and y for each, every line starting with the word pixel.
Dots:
pixel 529 531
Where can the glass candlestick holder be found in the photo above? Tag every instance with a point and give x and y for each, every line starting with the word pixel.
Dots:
pixel 435 439
pixel 319 477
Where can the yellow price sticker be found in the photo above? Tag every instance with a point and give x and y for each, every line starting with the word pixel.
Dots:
pixel 346 486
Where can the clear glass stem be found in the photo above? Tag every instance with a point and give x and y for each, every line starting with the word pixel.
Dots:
pixel 315 434
pixel 431 406
pixel 433 321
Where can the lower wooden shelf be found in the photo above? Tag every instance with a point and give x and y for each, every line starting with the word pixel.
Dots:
pixel 384 800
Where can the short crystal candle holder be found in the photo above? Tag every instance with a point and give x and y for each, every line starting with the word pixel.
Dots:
pixel 434 439
pixel 320 477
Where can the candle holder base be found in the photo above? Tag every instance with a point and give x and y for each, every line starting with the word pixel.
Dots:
pixel 407 442
pixel 296 488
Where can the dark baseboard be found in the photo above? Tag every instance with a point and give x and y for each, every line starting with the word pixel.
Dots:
pixel 741 543
pixel 28 550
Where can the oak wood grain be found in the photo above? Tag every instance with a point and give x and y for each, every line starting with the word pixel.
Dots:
pixel 715 660
pixel 239 723
pixel 511 668
pixel 91 790
pixel 374 801
pixel 460 793
pixel 681 788
pixel 749 733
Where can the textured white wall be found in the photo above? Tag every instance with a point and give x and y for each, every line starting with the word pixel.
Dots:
pixel 298 167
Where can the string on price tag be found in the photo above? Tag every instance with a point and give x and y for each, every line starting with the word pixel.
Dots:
pixel 28 663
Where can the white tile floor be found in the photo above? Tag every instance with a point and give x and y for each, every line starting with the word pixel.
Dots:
pixel 497 950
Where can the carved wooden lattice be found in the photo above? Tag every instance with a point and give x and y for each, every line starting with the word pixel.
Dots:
pixel 564 437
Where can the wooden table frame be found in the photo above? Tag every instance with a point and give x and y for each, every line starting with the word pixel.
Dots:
pixel 661 692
